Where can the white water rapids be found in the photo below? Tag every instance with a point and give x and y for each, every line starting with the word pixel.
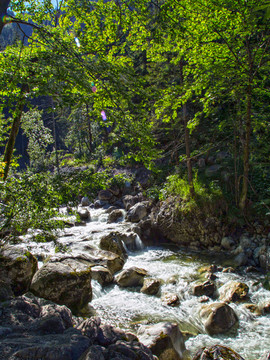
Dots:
pixel 128 309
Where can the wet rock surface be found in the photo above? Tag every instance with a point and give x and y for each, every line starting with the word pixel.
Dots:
pixel 33 328
pixel 218 318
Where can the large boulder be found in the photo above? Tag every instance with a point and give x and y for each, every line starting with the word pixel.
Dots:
pixel 48 331
pixel 233 291
pixel 92 257
pixel 216 352
pixel 132 277
pixel 218 318
pixel 164 340
pixel 137 212
pixel 113 242
pixel 105 195
pixel 66 283
pixel 17 268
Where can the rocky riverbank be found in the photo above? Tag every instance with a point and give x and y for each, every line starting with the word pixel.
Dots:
pixel 63 326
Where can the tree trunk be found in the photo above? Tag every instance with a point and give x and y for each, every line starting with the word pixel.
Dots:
pixel 14 130
pixel 90 139
pixel 55 140
pixel 243 197
pixel 187 142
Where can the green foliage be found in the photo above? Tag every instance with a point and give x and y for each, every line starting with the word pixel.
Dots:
pixel 178 186
pixel 39 138
pixel 28 201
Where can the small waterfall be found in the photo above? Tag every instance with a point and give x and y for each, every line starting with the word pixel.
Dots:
pixel 138 243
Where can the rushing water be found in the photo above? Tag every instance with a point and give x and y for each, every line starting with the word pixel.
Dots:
pixel 178 271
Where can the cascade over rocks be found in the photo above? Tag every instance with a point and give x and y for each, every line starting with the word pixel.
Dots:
pixel 18 267
pixel 113 242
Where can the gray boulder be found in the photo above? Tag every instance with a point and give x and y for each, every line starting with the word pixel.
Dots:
pixel 132 277
pixel 218 318
pixel 92 257
pixel 83 213
pixel 17 268
pixel 115 216
pixel 66 283
pixel 85 201
pixel 137 212
pixel 164 340
pixel 105 195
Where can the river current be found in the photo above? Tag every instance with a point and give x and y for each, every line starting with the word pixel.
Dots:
pixel 178 270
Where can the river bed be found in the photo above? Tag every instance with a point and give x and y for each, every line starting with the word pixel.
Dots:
pixel 178 270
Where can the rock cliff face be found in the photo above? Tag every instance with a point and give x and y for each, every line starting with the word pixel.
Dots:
pixel 202 227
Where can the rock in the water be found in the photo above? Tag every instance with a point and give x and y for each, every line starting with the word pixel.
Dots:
pixel 207 288
pixel 65 284
pixel 115 216
pixel 170 299
pixel 113 242
pixel 265 306
pixel 102 275
pixel 217 352
pixel 218 318
pixel 233 291
pixel 131 277
pixel 164 340
pixel 151 286
pixel 17 268
pixel 137 212
pixel 85 201
pixel 83 213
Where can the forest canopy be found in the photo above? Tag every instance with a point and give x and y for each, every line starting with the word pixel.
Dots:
pixel 160 83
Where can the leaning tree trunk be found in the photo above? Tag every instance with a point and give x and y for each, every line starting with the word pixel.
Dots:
pixel 14 130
